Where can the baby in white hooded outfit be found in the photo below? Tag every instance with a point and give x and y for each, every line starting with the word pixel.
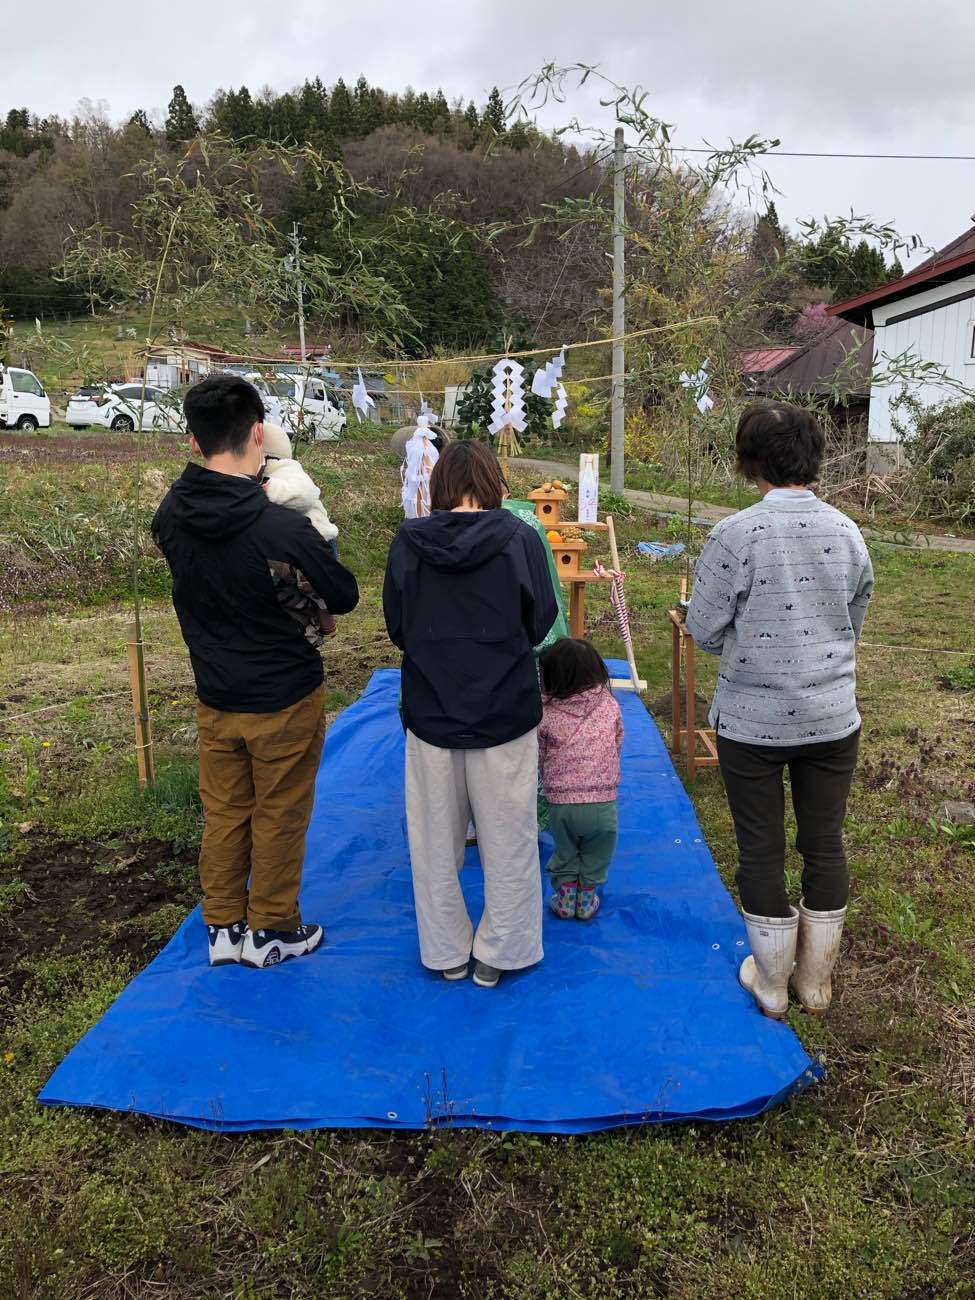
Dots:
pixel 287 484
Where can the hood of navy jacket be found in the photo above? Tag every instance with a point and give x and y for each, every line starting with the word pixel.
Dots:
pixel 219 534
pixel 460 541
pixel 209 504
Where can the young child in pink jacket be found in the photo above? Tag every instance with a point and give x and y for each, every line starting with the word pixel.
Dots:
pixel 579 743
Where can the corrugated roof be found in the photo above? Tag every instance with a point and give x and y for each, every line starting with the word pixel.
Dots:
pixel 756 361
pixel 811 369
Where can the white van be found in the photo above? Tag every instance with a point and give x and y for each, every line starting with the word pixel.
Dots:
pixel 307 410
pixel 23 402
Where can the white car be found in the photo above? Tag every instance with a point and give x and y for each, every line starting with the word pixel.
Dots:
pixel 118 407
pixel 23 402
pixel 302 404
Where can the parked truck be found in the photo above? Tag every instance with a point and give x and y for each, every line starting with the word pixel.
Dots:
pixel 23 402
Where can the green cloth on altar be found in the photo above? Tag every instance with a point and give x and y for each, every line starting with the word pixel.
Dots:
pixel 526 512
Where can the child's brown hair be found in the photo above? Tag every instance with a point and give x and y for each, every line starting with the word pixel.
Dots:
pixel 570 666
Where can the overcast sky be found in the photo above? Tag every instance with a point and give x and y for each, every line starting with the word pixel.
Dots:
pixel 891 77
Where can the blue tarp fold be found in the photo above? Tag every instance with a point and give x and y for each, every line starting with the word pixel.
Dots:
pixel 634 1017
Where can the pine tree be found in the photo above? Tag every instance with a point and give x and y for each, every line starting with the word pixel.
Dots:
pixel 313 108
pixel 312 206
pixel 518 136
pixel 341 110
pixel 407 108
pixel 236 117
pixel 441 113
pixel 769 241
pixel 494 117
pixel 140 119
pixel 367 112
pixel 471 117
pixel 424 116
pixel 181 123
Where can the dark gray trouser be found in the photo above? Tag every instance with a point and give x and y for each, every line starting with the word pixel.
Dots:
pixel 821 775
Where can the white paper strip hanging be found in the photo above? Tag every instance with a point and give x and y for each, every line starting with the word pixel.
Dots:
pixel 507 391
pixel 697 386
pixel 421 456
pixel 361 400
pixel 560 407
pixel 546 377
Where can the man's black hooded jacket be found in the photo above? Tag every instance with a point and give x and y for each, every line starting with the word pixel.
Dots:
pixel 467 595
pixel 218 532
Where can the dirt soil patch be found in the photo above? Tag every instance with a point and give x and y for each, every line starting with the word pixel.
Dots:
pixel 61 898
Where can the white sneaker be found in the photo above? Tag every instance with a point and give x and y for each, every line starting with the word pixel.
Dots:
pixel 226 942
pixel 271 947
pixel 765 974
pixel 818 949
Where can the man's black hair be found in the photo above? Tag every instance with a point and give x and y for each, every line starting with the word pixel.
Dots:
pixel 221 411
pixel 570 666
pixel 779 443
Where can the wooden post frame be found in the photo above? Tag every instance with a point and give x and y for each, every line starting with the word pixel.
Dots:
pixel 637 682
pixel 688 739
pixel 140 708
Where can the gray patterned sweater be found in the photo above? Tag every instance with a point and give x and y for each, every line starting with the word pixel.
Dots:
pixel 780 592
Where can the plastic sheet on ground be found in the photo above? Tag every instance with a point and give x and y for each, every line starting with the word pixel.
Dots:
pixel 635 1017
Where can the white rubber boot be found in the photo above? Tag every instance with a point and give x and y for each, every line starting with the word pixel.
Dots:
pixel 765 974
pixel 818 949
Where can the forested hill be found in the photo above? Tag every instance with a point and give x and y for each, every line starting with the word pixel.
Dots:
pixel 402 151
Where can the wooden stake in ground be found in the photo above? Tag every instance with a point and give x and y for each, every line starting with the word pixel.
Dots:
pixel 140 708
pixel 635 680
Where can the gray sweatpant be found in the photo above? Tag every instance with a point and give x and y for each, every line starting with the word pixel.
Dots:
pixel 498 787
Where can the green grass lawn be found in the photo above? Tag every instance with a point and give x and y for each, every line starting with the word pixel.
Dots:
pixel 863 1186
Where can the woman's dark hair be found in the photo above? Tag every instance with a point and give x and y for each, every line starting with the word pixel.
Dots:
pixel 221 411
pixel 779 443
pixel 467 469
pixel 570 666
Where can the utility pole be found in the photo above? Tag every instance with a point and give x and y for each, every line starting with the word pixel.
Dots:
pixel 301 302
pixel 619 319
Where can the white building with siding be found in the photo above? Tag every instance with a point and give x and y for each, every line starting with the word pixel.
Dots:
pixel 926 316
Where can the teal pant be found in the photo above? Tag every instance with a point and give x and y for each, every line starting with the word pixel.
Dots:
pixel 585 840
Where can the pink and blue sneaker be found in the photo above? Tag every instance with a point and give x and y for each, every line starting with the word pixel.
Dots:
pixel 563 901
pixel 587 903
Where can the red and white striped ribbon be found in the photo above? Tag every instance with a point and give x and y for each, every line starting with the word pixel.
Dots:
pixel 616 578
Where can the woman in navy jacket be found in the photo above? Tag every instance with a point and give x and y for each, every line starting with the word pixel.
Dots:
pixel 468 593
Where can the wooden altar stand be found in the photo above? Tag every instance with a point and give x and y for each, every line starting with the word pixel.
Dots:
pixel 695 744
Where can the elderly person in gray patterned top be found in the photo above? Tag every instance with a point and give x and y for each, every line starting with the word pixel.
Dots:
pixel 781 592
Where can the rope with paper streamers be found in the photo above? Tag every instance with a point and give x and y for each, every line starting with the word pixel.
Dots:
pixel 495 356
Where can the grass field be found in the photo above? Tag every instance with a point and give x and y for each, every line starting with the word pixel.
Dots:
pixel 864 1186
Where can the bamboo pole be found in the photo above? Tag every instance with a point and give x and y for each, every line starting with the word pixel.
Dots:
pixel 614 555
pixel 140 708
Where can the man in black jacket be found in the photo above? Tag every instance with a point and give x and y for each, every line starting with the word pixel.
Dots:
pixel 260 684
pixel 468 593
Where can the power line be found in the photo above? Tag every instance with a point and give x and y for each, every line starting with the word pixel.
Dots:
pixel 812 153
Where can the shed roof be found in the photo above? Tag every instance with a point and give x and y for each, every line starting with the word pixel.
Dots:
pixel 812 368
pixel 756 361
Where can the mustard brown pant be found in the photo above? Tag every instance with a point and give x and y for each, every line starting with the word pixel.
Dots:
pixel 257 784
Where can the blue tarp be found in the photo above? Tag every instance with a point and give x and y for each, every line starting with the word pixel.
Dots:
pixel 634 1017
